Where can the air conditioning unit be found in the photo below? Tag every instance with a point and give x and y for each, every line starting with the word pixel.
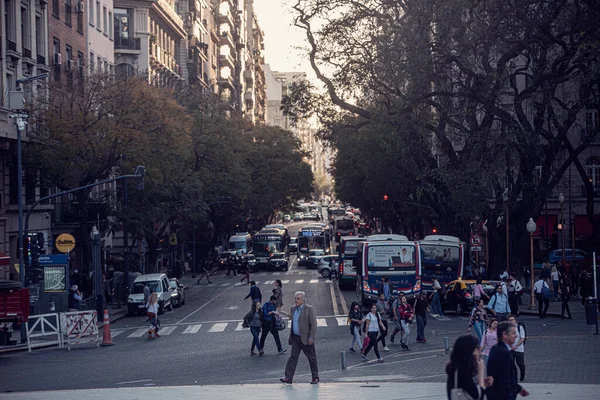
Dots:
pixel 57 59
pixel 80 7
pixel 70 65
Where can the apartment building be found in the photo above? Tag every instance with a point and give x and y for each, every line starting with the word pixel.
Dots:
pixel 150 38
pixel 100 36
pixel 253 74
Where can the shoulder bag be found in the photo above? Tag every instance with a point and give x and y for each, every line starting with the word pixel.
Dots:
pixel 279 323
pixel 457 393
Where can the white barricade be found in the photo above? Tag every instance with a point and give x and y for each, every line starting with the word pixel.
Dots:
pixel 42 326
pixel 80 327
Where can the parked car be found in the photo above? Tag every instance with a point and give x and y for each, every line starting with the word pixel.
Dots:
pixel 251 261
pixel 314 256
pixel 293 245
pixel 224 257
pixel 287 218
pixel 556 255
pixel 326 264
pixel 178 293
pixel 298 217
pixel 158 283
pixel 459 295
pixel 278 261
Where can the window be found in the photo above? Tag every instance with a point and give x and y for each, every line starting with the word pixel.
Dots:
pixel 593 171
pixel 91 13
pixel 591 121
pixel 80 62
pixel 25 36
pixel 99 59
pixel 57 59
pixel 104 21
pixel 110 25
pixel 68 13
pixel 56 8
pixel 122 26
pixel 80 16
pixel 9 18
pixel 69 62
pixel 39 39
pixel 91 61
pixel 98 16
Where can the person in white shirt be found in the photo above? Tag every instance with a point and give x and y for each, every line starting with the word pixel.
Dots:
pixel 514 289
pixel 555 275
pixel 542 300
pixel 518 348
pixel 153 308
pixel 373 325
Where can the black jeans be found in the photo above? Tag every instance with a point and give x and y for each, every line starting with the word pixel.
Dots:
pixel 382 335
pixel 372 344
pixel 269 326
pixel 565 306
pixel 519 357
pixel 513 302
pixel 545 303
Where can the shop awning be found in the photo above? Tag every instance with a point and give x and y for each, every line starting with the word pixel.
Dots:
pixel 583 227
pixel 4 259
pixel 543 231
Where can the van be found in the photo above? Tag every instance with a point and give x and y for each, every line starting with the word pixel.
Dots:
pixel 159 284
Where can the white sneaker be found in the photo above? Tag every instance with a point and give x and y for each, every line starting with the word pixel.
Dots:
pixel 386 348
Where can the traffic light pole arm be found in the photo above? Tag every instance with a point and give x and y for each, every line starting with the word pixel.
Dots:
pixel 30 210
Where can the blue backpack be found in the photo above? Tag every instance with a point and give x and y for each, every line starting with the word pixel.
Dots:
pixel 545 291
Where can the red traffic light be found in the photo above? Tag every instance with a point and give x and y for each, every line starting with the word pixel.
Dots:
pixel 434 230
pixel 385 197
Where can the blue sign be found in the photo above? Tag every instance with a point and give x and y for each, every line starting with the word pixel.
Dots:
pixel 53 259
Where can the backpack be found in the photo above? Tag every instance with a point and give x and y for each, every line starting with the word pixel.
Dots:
pixel 522 325
pixel 545 291
pixel 443 289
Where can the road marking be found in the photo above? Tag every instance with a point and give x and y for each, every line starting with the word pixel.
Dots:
pixel 301 272
pixel 202 306
pixel 193 328
pixel 211 285
pixel 321 322
pixel 127 383
pixel 239 326
pixel 328 281
pixel 269 282
pixel 285 281
pixel 262 274
pixel 300 281
pixel 238 284
pixel 342 321
pixel 218 327
pixel 314 281
pixel 114 334
pixel 343 301
pixel 167 331
pixel 224 284
pixel 276 273
pixel 138 333
pixel 334 303
pixel 290 324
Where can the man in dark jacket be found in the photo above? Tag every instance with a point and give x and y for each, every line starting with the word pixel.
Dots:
pixel 501 366
pixel 255 293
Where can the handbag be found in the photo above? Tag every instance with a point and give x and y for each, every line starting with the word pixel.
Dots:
pixel 279 323
pixel 366 342
pixel 457 393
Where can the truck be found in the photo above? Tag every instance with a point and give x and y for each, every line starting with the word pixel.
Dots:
pixel 14 307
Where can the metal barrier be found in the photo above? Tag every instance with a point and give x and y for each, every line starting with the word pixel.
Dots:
pixel 80 327
pixel 42 326
pixel 88 304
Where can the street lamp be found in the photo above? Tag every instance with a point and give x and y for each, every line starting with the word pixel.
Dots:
pixel 561 200
pixel 531 228
pixel 505 198
pixel 486 232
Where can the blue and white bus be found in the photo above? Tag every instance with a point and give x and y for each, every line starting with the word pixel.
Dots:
pixel 348 252
pixel 267 242
pixel 442 258
pixel 313 237
pixel 397 260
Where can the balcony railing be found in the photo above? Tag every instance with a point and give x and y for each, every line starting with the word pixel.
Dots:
pixel 41 59
pixel 26 52
pixel 127 43
pixel 11 45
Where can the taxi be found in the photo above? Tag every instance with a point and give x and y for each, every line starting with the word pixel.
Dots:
pixel 459 295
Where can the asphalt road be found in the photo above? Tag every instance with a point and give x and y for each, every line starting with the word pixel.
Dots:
pixel 203 343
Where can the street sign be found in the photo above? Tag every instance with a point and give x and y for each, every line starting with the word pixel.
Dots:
pixel 475 248
pixel 65 243
pixel 475 242
pixel 55 272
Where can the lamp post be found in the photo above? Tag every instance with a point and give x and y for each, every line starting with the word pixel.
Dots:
pixel 505 199
pixel 531 228
pixel 486 233
pixel 561 200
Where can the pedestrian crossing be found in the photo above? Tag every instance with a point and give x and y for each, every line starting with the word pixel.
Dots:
pixel 283 281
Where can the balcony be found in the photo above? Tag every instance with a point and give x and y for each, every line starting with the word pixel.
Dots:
pixel 127 44
pixel 249 77
pixel 227 39
pixel 226 18
pixel 249 97
pixel 227 61
pixel 227 83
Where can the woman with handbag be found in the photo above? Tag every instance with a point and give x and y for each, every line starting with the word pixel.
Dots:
pixel 355 319
pixel 278 293
pixel 373 325
pixel 152 307
pixel 253 320
pixel 466 371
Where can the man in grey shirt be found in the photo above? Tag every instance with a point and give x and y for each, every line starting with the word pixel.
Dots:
pixel 383 308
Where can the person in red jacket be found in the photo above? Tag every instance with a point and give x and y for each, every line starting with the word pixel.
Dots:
pixel 406 320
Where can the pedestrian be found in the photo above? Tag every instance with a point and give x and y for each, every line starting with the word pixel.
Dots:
pixel 479 319
pixel 542 295
pixel 268 326
pixel 406 320
pixel 515 289
pixel 355 318
pixel 555 275
pixel 278 293
pixel 246 270
pixel 586 286
pixel 527 275
pixel 436 299
pixel 489 340
pixel 574 279
pixel 498 304
pixel 504 275
pixel 302 338
pixel 152 308
pixel 254 294
pixel 205 271
pixel 383 308
pixel 478 291
pixel 253 320
pixel 386 288
pixel 517 349
pixel 565 296
pixel 396 315
pixel 502 368
pixel 147 292
pixel 421 310
pixel 373 325
pixel 74 298
pixel 546 267
pixel 231 265
pixel 466 371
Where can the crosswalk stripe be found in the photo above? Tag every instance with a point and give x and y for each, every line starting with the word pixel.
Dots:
pixel 238 284
pixel 114 334
pixel 239 326
pixel 321 322
pixel 302 273
pixel 314 281
pixel 211 284
pixel 342 321
pixel 138 333
pixel 262 274
pixel 224 284
pixel 268 282
pixel 218 327
pixel 300 281
pixel 193 328
pixel 276 273
pixel 285 281
pixel 167 331
pixel 328 281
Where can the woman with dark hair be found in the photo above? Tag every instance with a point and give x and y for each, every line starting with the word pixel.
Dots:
pixel 278 293
pixel 478 292
pixel 466 370
pixel 565 295
pixel 355 319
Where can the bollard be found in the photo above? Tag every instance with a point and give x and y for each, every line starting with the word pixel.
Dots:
pixel 343 360
pixel 446 346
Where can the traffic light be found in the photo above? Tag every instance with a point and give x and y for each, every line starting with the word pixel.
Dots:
pixel 434 230
pixel 385 197
pixel 34 249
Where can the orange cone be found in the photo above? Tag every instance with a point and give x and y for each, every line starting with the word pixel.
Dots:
pixel 106 337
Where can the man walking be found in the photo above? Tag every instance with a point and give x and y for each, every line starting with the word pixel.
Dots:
pixel 498 304
pixel 517 349
pixel 254 294
pixel 268 326
pixel 383 308
pixel 302 338
pixel 501 366
pixel 231 265
pixel 542 295
pixel 515 289
pixel 205 271
pixel 396 315
pixel 421 310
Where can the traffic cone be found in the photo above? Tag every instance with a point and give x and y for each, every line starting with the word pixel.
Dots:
pixel 106 337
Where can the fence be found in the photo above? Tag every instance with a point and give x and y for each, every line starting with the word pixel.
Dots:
pixel 80 327
pixel 41 330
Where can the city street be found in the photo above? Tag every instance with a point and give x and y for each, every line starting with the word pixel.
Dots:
pixel 203 343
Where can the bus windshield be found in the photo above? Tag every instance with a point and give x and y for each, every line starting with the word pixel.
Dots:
pixel 349 248
pixel 344 224
pixel 440 261
pixel 396 257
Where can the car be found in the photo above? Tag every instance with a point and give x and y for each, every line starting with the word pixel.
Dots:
pixel 313 257
pixel 178 293
pixel 278 261
pixel 293 245
pixel 224 256
pixel 556 255
pixel 326 265
pixel 158 283
pixel 287 218
pixel 251 260
pixel 298 216
pixel 459 295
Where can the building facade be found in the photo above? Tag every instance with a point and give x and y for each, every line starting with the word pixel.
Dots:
pixel 100 36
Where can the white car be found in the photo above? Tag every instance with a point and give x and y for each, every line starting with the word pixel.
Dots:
pixel 326 264
pixel 314 256
pixel 159 284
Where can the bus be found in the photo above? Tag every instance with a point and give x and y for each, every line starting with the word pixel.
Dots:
pixel 267 242
pixel 241 241
pixel 397 260
pixel 343 226
pixel 332 213
pixel 442 258
pixel 348 251
pixel 312 237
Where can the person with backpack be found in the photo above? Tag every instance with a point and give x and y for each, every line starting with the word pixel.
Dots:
pixel 396 315
pixel 436 299
pixel 406 320
pixel 355 318
pixel 518 348
pixel 373 326
pixel 542 295
pixel 479 319
pixel 498 304
pixel 515 289
pixel 253 320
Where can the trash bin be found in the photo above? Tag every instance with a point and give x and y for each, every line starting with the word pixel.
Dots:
pixel 591 312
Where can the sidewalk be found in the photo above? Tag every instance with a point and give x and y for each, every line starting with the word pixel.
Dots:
pixel 366 390
pixel 554 308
